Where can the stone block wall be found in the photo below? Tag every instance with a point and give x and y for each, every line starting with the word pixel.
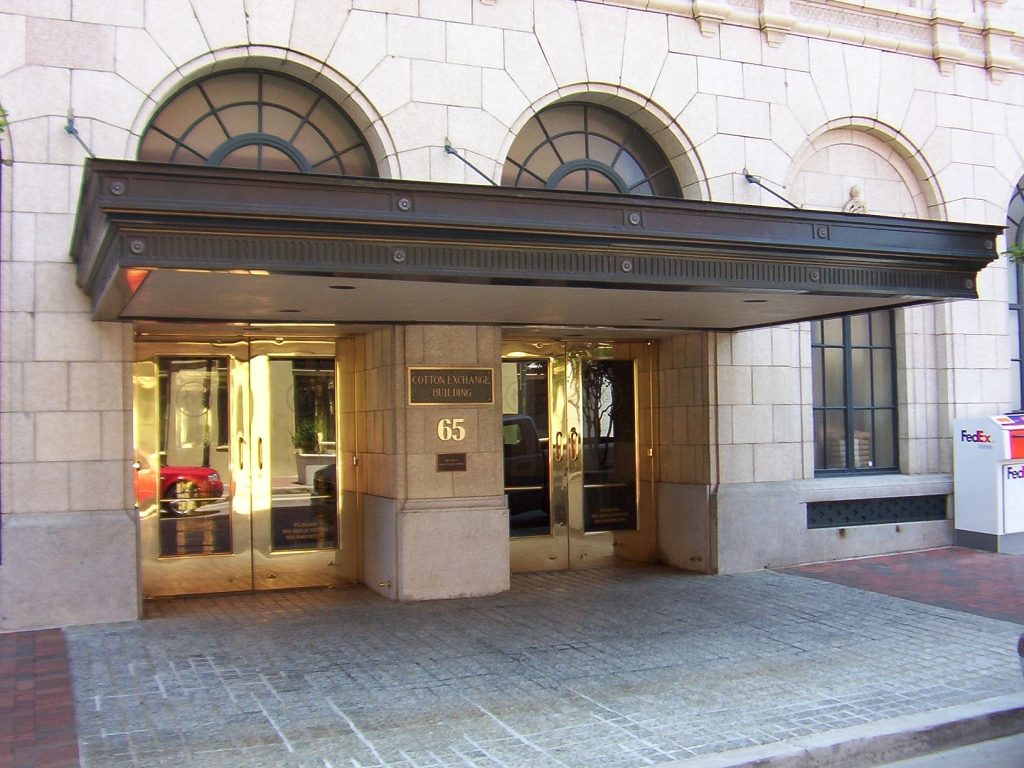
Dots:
pixel 760 412
pixel 684 410
pixel 921 111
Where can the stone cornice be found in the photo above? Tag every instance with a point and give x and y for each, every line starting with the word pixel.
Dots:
pixel 984 40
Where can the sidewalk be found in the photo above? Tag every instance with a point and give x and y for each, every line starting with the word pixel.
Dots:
pixel 37 712
pixel 613 667
pixel 952 577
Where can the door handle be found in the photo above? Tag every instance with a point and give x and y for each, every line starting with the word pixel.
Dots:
pixel 574 444
pixel 241 452
pixel 559 446
pixel 259 453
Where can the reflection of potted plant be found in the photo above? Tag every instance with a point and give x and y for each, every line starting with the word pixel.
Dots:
pixel 305 439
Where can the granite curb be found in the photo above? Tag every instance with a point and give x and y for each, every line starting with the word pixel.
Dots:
pixel 874 744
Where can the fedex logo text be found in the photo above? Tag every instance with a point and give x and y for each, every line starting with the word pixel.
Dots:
pixel 975 437
pixel 1015 473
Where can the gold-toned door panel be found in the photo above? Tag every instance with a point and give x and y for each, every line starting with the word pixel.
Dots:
pixel 193 524
pixel 593 420
pixel 536 454
pixel 232 412
pixel 296 530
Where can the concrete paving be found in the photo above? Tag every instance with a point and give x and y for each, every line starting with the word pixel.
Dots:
pixel 615 667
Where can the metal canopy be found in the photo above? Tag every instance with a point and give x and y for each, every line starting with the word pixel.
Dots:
pixel 184 243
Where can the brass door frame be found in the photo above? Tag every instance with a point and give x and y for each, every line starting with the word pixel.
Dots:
pixel 568 544
pixel 549 551
pixel 252 562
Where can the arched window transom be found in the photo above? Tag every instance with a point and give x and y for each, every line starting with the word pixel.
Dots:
pixel 259 120
pixel 585 147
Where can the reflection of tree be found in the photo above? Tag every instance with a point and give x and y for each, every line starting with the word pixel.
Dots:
pixel 602 399
pixel 313 392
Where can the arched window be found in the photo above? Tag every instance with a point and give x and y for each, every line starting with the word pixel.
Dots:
pixel 585 147
pixel 259 120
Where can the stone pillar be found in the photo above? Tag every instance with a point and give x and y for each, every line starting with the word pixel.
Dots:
pixel 686 530
pixel 429 532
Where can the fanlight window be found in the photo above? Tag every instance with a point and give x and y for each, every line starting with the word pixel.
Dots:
pixel 257 120
pixel 584 147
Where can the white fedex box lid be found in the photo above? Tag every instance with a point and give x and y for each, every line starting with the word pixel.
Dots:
pixel 1002 435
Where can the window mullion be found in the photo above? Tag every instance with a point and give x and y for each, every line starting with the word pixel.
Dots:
pixel 873 344
pixel 848 392
pixel 894 391
pixel 1018 317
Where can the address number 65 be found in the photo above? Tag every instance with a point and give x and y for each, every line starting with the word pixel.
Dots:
pixel 451 429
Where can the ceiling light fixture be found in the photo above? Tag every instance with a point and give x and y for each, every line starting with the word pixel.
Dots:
pixel 290 325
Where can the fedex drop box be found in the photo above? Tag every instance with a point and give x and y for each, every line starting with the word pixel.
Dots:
pixel 988 482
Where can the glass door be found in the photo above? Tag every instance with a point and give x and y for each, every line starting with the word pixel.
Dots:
pixel 578 453
pixel 189 463
pixel 235 469
pixel 295 526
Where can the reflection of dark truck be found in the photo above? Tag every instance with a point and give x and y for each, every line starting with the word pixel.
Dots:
pixel 526 472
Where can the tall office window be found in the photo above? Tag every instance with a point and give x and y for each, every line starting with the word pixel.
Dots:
pixel 1015 280
pixel 854 369
pixel 1014 328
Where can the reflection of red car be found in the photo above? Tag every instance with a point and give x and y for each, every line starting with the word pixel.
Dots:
pixel 182 490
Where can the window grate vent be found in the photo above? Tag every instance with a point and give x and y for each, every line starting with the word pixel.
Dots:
pixel 840 514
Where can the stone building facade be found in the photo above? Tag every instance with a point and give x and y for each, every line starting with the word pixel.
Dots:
pixel 753 438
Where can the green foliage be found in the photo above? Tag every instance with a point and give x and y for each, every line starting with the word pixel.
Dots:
pixel 305 437
pixel 4 122
pixel 1016 253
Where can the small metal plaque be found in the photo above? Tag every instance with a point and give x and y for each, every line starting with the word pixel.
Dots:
pixel 306 526
pixel 451 462
pixel 444 386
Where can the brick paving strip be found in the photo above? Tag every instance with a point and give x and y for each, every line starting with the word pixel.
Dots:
pixel 617 667
pixel 985 583
pixel 37 710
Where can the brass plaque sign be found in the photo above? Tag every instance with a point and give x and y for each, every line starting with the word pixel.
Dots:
pixel 451 462
pixel 445 386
